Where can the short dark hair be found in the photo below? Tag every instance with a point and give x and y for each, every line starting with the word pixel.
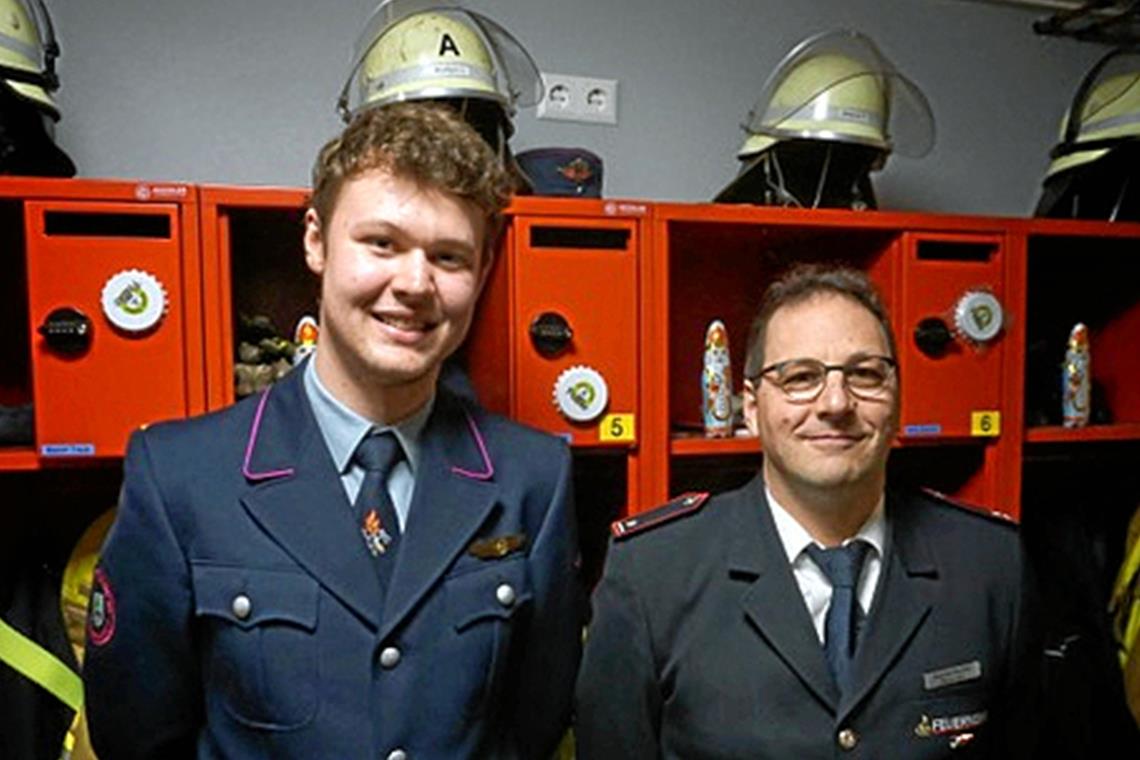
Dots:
pixel 424 141
pixel 802 282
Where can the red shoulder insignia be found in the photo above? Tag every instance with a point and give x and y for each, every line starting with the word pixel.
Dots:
pixel 684 504
pixel 972 508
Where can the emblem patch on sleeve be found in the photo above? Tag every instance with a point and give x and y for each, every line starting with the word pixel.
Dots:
pixel 101 611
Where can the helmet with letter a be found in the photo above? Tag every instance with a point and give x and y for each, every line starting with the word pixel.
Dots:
pixel 830 114
pixel 1095 168
pixel 423 50
pixel 28 111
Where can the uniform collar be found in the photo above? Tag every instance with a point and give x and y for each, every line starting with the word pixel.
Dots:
pixel 795 538
pixel 343 429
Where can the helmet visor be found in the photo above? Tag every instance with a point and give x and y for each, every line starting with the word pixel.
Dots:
pixel 839 86
pixel 515 80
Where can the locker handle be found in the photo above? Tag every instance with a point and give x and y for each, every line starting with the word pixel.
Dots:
pixel 550 333
pixel 67 330
pixel 933 335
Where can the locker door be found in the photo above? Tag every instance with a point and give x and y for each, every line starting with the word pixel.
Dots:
pixel 951 330
pixel 107 322
pixel 577 281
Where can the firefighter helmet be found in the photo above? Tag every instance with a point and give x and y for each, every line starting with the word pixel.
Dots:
pixel 1105 112
pixel 418 49
pixel 27 108
pixel 28 53
pixel 1092 174
pixel 837 91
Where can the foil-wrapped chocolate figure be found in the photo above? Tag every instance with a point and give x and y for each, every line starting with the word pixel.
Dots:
pixel 716 382
pixel 1076 382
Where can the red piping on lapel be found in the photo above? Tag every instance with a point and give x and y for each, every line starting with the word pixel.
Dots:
pixel 489 470
pixel 254 429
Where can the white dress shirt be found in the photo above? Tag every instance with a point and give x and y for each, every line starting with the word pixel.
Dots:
pixel 814 586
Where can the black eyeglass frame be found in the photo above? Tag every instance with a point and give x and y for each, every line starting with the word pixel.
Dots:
pixel 843 369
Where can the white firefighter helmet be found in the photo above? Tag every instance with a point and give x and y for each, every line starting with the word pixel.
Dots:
pixel 1104 114
pixel 419 50
pixel 835 90
pixel 838 86
pixel 28 52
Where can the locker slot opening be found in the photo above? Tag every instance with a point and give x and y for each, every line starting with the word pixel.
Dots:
pixel 938 250
pixel 83 224
pixel 579 237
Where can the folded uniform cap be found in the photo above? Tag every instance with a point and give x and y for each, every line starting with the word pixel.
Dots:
pixel 573 172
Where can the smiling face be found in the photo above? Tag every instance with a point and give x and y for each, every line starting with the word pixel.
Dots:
pixel 837 443
pixel 401 267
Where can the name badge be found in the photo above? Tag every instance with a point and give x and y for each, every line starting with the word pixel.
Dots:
pixel 967 671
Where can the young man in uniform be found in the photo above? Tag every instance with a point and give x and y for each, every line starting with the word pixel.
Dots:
pixel 815 612
pixel 356 562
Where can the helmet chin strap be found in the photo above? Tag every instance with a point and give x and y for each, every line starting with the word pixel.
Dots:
pixel 783 197
pixel 822 177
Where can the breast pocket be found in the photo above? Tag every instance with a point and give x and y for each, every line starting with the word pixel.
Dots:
pixel 260 655
pixel 485 601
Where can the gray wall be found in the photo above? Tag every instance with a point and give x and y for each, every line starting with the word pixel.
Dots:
pixel 242 91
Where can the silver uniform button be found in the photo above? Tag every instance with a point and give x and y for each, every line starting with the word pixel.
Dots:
pixel 389 657
pixel 397 754
pixel 241 606
pixel 505 593
pixel 848 738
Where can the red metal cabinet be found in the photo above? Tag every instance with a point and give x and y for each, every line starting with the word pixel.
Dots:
pixel 101 363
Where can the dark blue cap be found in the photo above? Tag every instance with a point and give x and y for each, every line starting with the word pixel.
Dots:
pixel 571 172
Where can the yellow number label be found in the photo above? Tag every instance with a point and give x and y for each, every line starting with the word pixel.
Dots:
pixel 985 423
pixel 616 427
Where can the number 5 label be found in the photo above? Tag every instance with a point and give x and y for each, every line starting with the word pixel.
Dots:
pixel 616 427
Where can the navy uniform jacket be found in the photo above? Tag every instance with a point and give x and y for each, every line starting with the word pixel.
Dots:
pixel 471 654
pixel 701 645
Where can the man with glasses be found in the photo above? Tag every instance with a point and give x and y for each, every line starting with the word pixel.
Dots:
pixel 816 611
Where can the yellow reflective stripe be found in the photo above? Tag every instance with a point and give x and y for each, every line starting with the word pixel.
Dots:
pixel 1125 605
pixel 41 666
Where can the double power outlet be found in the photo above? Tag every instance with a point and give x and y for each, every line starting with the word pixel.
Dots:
pixel 570 98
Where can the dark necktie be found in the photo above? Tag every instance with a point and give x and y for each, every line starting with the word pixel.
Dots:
pixel 377 454
pixel 841 565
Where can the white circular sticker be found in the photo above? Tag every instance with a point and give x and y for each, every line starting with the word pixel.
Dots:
pixel 134 300
pixel 581 394
pixel 978 316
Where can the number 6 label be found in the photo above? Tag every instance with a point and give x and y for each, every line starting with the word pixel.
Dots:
pixel 985 423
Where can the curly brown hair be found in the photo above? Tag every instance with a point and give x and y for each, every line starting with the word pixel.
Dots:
pixel 423 141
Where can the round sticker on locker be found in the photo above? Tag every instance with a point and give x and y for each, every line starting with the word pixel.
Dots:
pixel 581 394
pixel 134 300
pixel 978 316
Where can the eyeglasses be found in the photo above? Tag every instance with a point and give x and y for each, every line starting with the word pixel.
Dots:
pixel 802 380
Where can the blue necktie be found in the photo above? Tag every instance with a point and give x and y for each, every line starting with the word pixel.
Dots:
pixel 841 565
pixel 377 454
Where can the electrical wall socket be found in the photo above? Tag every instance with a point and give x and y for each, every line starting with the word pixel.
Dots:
pixel 586 99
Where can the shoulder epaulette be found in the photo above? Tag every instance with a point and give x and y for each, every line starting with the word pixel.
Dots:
pixel 684 504
pixel 974 509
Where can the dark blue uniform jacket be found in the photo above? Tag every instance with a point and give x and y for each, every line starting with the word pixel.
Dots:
pixel 701 645
pixel 471 652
